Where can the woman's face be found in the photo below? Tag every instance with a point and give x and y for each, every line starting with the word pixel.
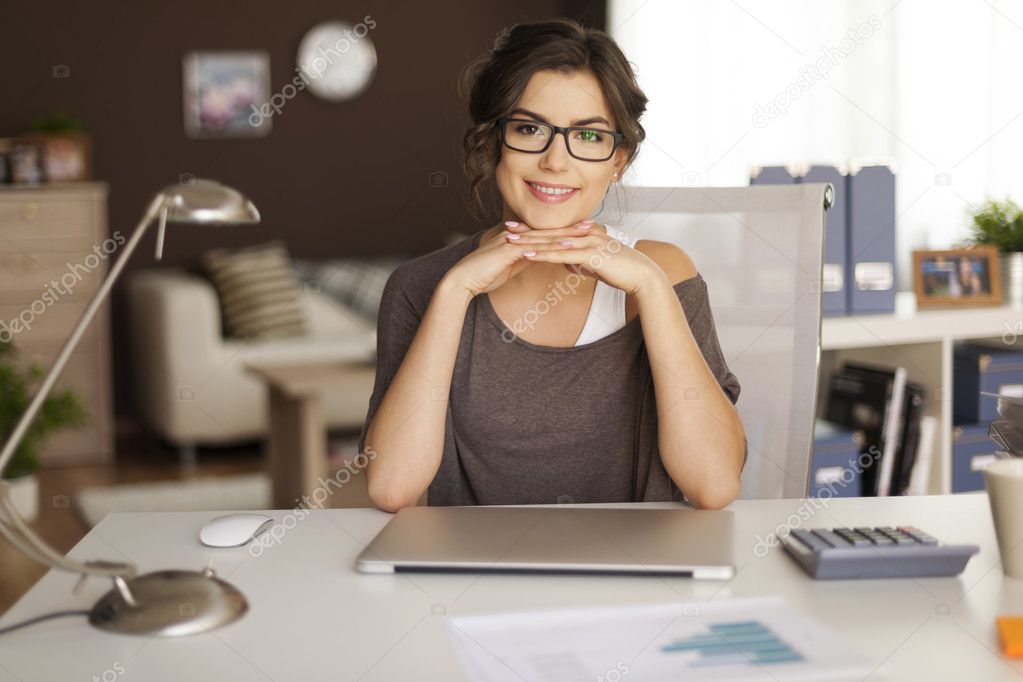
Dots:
pixel 550 97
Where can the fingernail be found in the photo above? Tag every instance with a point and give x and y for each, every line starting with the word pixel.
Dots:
pixel 529 253
pixel 515 236
pixel 584 227
pixel 511 223
pixel 587 222
pixel 566 243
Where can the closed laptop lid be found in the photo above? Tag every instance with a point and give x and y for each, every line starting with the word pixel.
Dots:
pixel 561 539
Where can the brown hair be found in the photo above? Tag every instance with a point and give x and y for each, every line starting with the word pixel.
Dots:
pixel 495 82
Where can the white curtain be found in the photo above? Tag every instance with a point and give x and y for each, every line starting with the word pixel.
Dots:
pixel 937 88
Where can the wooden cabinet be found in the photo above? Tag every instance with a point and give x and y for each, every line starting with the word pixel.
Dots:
pixel 54 253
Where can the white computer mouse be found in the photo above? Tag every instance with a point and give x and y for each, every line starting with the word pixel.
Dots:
pixel 233 530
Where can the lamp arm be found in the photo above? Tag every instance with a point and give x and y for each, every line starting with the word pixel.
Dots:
pixel 12 526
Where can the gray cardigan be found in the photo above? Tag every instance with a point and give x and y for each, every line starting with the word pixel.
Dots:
pixel 531 424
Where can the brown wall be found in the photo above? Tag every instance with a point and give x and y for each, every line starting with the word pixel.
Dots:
pixel 348 179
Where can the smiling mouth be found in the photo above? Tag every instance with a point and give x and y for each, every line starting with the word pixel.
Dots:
pixel 549 193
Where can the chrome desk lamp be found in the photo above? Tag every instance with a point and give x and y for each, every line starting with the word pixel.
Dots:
pixel 166 603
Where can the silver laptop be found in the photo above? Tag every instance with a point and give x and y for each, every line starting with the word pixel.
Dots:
pixel 562 539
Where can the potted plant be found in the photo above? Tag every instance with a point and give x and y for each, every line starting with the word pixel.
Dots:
pixel 1000 223
pixel 60 410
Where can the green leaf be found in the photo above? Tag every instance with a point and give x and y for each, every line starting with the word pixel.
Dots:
pixel 17 387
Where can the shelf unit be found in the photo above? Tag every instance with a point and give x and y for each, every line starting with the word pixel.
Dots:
pixel 921 341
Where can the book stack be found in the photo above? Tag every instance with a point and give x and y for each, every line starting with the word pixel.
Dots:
pixel 888 409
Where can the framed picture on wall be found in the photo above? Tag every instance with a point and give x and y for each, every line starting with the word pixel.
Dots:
pixel 222 89
pixel 958 277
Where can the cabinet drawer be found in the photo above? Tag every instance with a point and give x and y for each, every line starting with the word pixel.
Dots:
pixel 26 277
pixel 48 218
pixel 44 331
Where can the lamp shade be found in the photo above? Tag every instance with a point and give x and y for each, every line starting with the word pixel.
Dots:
pixel 208 202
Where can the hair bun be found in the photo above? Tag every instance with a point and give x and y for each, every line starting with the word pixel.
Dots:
pixel 503 36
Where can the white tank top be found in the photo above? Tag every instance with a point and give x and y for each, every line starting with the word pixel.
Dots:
pixel 607 312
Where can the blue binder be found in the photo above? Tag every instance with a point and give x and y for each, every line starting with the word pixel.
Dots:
pixel 834 275
pixel 871 243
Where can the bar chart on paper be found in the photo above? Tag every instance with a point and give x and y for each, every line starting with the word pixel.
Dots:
pixel 761 638
pixel 746 642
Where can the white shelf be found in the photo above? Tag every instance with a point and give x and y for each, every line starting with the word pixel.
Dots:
pixel 910 325
pixel 921 341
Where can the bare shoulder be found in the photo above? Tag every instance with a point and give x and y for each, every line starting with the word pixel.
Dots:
pixel 673 260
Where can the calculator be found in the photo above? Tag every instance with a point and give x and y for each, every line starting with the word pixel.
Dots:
pixel 882 552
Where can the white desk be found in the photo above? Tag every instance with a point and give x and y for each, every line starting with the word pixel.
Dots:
pixel 313 617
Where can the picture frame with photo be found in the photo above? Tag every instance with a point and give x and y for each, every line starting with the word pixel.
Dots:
pixel 957 277
pixel 221 90
pixel 66 156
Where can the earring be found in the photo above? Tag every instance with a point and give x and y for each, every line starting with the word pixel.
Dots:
pixel 615 175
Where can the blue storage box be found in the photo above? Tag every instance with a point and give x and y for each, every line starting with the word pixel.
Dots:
pixel 972 450
pixel 980 367
pixel 870 225
pixel 834 465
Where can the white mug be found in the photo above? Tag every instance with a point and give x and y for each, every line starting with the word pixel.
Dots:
pixel 1004 481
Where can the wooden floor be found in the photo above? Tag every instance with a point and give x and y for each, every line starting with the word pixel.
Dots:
pixel 139 459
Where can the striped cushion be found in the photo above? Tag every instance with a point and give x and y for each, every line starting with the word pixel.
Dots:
pixel 357 283
pixel 259 295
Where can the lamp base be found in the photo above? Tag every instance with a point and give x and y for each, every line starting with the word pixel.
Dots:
pixel 170 604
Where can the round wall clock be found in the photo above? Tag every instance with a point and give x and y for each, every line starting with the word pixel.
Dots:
pixel 337 60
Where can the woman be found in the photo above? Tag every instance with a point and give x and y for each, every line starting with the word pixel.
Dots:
pixel 543 360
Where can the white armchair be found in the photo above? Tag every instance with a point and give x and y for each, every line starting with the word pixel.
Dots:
pixel 190 382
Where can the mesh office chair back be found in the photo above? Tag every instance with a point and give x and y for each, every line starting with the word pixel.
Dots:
pixel 760 251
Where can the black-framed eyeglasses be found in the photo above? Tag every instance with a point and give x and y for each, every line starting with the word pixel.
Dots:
pixel 534 137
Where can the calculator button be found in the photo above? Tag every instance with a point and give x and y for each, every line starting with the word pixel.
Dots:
pixel 918 535
pixel 856 539
pixel 809 539
pixel 831 537
pixel 899 537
